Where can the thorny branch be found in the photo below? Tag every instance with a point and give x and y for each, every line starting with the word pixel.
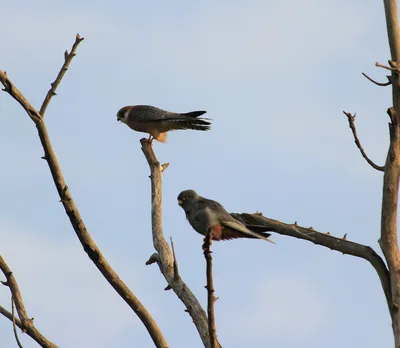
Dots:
pixel 210 289
pixel 75 218
pixel 164 257
pixel 254 221
pixel 352 126
pixel 26 323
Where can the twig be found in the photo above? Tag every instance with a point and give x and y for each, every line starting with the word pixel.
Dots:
pixel 351 119
pixel 378 83
pixel 164 257
pixel 13 321
pixel 77 223
pixel 9 316
pixel 176 270
pixel 210 288
pixel 26 322
pixel 67 61
pixel 338 244
pixel 164 167
pixel 379 65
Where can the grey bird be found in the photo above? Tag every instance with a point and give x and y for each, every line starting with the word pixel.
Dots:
pixel 203 214
pixel 157 122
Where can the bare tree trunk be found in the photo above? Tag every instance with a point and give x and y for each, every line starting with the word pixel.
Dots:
pixel 388 240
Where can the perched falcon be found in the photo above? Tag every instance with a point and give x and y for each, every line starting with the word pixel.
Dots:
pixel 203 213
pixel 157 122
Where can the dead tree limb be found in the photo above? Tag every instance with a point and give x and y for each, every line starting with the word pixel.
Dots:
pixel 75 218
pixel 212 329
pixel 9 316
pixel 25 323
pixel 13 322
pixel 390 68
pixel 164 257
pixel 67 61
pixel 254 221
pixel 352 126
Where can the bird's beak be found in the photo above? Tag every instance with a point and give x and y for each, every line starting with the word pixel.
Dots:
pixel 180 201
pixel 118 119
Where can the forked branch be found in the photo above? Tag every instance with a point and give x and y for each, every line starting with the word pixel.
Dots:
pixel 75 218
pixel 25 323
pixel 352 125
pixel 164 257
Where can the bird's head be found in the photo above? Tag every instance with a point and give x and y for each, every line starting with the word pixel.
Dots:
pixel 123 114
pixel 186 197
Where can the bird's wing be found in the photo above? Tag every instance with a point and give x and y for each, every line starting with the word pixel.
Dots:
pixel 214 205
pixel 225 219
pixel 201 217
pixel 148 113
pixel 236 225
pixel 152 113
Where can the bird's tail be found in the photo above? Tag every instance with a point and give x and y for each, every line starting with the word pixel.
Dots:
pixel 195 123
pixel 183 121
pixel 193 114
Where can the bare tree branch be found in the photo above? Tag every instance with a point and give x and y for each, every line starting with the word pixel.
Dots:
pixel 164 257
pixel 352 125
pixel 19 97
pixel 9 316
pixel 390 68
pixel 26 323
pixel 212 329
pixel 14 324
pixel 378 83
pixel 77 223
pixel 254 221
pixel 67 61
pixel 176 269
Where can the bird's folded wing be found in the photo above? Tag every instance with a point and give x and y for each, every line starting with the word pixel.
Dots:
pixel 238 227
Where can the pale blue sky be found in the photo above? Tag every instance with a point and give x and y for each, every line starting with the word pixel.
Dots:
pixel 274 76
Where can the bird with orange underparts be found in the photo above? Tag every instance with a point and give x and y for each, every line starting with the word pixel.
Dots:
pixel 203 214
pixel 157 122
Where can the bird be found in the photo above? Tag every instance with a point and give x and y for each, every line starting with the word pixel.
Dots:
pixel 157 122
pixel 203 214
